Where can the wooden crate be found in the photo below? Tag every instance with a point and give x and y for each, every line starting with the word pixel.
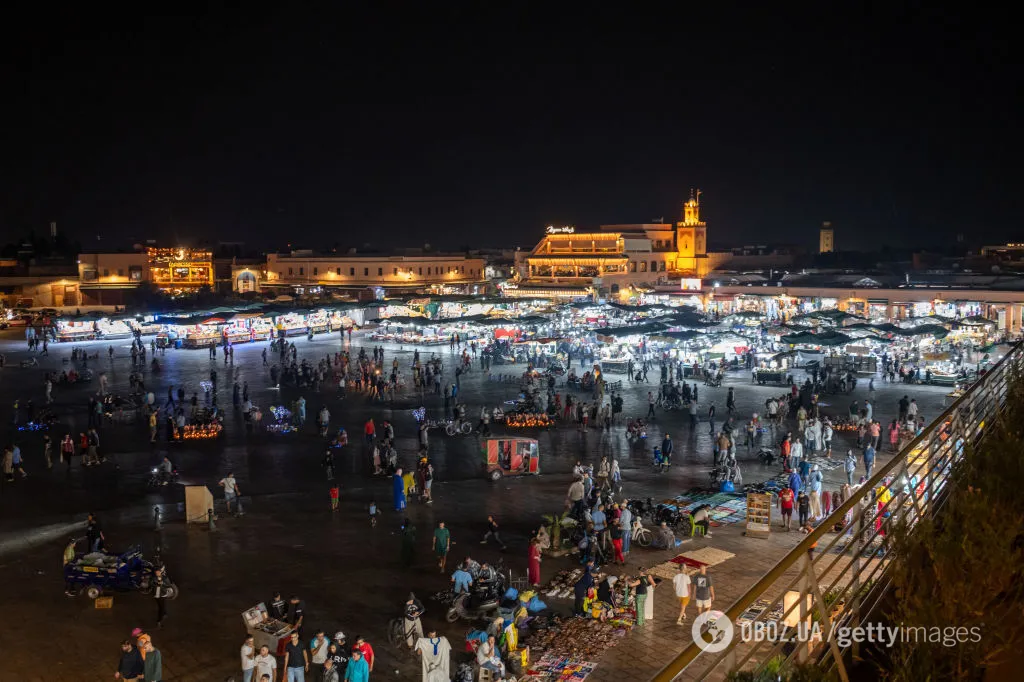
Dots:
pixel 104 602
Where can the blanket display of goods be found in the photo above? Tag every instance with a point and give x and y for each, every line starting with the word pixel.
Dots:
pixel 576 638
pixel 201 431
pixel 562 668
pixel 726 508
pixel 537 420
pixel 34 426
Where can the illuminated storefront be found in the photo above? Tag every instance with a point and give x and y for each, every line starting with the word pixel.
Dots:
pixel 180 269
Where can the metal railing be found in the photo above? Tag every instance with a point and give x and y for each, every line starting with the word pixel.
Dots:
pixel 833 580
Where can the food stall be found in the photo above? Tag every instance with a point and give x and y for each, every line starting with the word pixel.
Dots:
pixel 168 337
pixel 266 631
pixel 237 330
pixel 147 326
pixel 260 328
pixel 317 322
pixel 615 358
pixel 73 330
pixel 290 324
pixel 113 329
pixel 204 334
pixel 337 321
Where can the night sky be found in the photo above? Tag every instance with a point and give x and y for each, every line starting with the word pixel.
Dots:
pixel 461 129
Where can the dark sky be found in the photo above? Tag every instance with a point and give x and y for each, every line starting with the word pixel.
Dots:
pixel 456 128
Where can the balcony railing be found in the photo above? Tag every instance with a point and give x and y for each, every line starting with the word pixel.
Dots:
pixel 856 578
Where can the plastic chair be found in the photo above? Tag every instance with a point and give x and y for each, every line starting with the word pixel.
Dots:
pixel 694 528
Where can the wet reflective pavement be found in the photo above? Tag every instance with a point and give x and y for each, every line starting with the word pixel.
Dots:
pixel 347 573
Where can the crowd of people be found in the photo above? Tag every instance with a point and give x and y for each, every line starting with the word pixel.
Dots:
pixel 792 424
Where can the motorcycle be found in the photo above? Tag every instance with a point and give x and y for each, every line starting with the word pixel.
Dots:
pixel 453 428
pixel 483 599
pixel 641 508
pixel 766 455
pixel 159 478
pixel 667 513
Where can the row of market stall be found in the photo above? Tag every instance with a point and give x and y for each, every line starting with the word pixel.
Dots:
pixel 615 336
pixel 198 331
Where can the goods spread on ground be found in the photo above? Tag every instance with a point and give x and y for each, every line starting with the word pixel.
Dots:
pixel 575 639
pixel 562 668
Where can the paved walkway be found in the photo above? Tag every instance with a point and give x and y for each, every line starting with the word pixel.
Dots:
pixel 347 572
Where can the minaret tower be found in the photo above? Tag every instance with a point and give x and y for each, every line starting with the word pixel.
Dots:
pixel 691 234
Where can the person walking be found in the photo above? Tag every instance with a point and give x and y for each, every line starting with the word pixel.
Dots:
pixel 296 660
pixel 248 656
pixel 492 531
pixel 442 544
pixel 617 535
pixel 264 665
pixel 152 664
pixel 231 491
pixel 130 666
pixel 703 590
pixel 786 501
pixel 398 488
pixel 358 670
pixel 48 451
pixel 331 672
pixel 160 595
pixel 626 523
pixel 318 647
pixel 814 484
pixel 803 506
pixel 681 583
pixel 869 460
pixel 850 466
pixel 641 585
pixel 67 449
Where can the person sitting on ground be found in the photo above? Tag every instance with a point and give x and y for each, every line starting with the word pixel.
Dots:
pixel 664 538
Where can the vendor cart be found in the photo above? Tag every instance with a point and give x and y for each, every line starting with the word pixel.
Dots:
pixel 770 376
pixel 94 573
pixel 266 631
pixel 511 457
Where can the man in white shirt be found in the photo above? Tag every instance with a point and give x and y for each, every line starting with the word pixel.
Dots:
pixel 265 664
pixel 248 659
pixel 682 584
pixel 796 453
pixel 230 489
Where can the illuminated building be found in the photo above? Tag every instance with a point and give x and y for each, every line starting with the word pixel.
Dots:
pixel 570 264
pixel 180 270
pixel 440 273
pixel 109 278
